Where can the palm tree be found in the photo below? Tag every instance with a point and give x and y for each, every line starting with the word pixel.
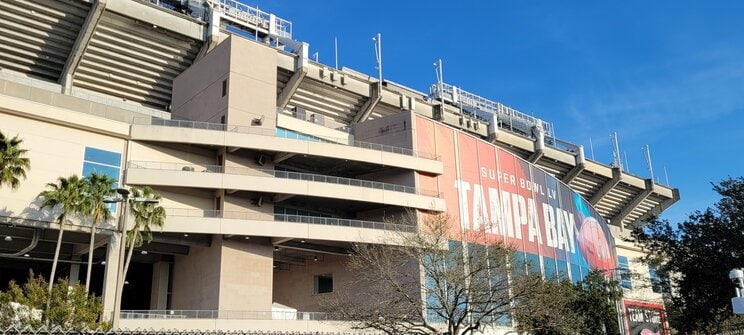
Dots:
pixel 12 163
pixel 68 194
pixel 147 215
pixel 99 187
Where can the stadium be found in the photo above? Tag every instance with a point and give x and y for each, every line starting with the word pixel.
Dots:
pixel 271 165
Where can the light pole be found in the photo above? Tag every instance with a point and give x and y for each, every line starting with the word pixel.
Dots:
pixel 122 230
pixel 737 302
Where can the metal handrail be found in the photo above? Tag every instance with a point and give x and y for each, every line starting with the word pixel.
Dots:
pixel 149 165
pixel 243 215
pixel 271 132
pixel 224 314
pixel 252 15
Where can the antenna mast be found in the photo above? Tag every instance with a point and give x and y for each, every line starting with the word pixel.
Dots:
pixel 616 160
pixel 647 153
pixel 335 49
pixel 378 54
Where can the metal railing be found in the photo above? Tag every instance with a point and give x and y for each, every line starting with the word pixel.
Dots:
pixel 329 221
pixel 290 135
pixel 224 314
pixel 505 114
pixel 280 174
pixel 245 14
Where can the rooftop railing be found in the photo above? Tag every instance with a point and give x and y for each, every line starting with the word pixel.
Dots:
pixel 280 174
pixel 242 215
pixel 273 133
pixel 224 314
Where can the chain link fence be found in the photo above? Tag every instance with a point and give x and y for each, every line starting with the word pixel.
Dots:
pixel 60 331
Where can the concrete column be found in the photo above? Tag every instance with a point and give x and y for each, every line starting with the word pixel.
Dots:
pixel 110 275
pixel 160 277
pixel 74 272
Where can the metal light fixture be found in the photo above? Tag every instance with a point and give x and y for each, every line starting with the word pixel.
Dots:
pixel 144 252
pixel 315 259
pixel 8 239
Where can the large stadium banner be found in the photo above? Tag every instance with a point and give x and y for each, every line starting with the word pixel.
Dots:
pixel 488 189
pixel 644 318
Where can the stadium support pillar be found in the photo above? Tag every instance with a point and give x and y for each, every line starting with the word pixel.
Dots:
pixel 81 43
pixel 74 272
pixel 159 291
pixel 289 90
pixel 637 200
pixel 658 209
pixel 375 95
pixel 110 276
pixel 539 149
pixel 607 187
pixel 576 170
pixel 211 35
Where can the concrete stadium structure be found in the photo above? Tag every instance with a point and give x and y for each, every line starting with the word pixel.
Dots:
pixel 270 165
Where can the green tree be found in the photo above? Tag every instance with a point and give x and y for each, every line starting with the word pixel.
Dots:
pixel 596 301
pixel 13 164
pixel 553 307
pixel 697 255
pixel 68 195
pixel 147 215
pixel 100 187
pixel 548 307
pixel 68 307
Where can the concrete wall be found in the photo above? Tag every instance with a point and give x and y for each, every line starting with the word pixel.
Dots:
pixel 197 92
pixel 231 275
pixel 172 153
pixel 196 278
pixel 294 287
pixel 640 277
pixel 252 83
pixel 55 151
pixel 395 130
pixel 246 278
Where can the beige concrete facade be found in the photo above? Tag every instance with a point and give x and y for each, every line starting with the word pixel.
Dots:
pixel 265 162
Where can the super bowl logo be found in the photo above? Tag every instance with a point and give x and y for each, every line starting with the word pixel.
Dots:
pixel 593 244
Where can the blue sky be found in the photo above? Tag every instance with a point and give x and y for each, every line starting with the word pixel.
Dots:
pixel 667 74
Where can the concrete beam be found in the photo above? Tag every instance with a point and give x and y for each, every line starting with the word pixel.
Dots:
pixel 289 90
pixel 620 217
pixel 81 43
pixel 211 35
pixel 607 187
pixel 282 197
pixel 161 17
pixel 576 170
pixel 658 209
pixel 278 240
pixel 539 145
pixel 317 248
pixel 82 249
pixel 375 90
pixel 283 156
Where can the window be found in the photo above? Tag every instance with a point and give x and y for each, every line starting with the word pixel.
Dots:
pixel 224 87
pixel 659 284
pixel 323 284
pixel 624 272
pixel 102 161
